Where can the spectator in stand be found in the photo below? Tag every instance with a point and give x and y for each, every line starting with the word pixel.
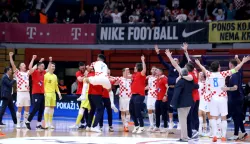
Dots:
pixel 219 16
pixel 152 18
pixel 82 18
pixel 68 19
pixel 6 16
pixel 158 13
pixel 182 17
pixel 43 17
pixel 175 12
pixel 131 6
pixel 62 87
pixel 24 16
pixel 120 5
pixel 74 87
pixel 208 19
pixel 175 3
pixel 138 10
pixel 55 18
pixel 166 18
pixel 201 6
pixel 131 20
pixel 116 16
pixel 14 18
pixel 231 12
pixel 33 18
pixel 135 17
pixel 146 17
pixel 191 16
pixel 107 18
pixel 199 19
pixel 95 16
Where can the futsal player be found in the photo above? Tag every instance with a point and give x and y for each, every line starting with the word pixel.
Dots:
pixel 161 104
pixel 37 73
pixel 124 83
pixel 80 76
pixel 138 96
pixel 152 94
pixel 23 88
pixel 50 87
pixel 173 74
pixel 218 94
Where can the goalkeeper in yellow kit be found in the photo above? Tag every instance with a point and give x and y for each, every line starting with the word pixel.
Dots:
pixel 50 89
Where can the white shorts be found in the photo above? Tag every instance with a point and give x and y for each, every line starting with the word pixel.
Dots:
pixel 218 107
pixel 100 80
pixel 203 105
pixel 151 103
pixel 124 104
pixel 22 99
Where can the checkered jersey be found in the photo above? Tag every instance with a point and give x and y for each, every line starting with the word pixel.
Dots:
pixel 152 91
pixel 216 80
pixel 100 68
pixel 124 86
pixel 202 89
pixel 22 80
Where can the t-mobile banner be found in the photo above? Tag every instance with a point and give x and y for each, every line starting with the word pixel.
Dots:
pixel 172 33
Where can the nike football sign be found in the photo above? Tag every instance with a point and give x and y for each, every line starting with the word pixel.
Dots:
pixel 187 34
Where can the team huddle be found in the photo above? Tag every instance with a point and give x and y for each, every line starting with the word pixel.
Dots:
pixel 208 92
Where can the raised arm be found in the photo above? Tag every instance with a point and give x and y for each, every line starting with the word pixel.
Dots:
pixel 157 50
pixel 173 62
pixel 50 61
pixel 201 66
pixel 244 60
pixel 12 61
pixel 143 72
pixel 32 61
pixel 184 47
pixel 237 59
pixel 35 66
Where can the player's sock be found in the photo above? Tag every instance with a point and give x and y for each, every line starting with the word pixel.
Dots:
pixel 46 116
pixel 84 89
pixel 170 120
pixel 111 97
pixel 127 119
pixel 205 128
pixel 18 116
pixel 224 128
pixel 80 115
pixel 200 124
pixel 210 127
pixel 214 127
pixel 25 116
pixel 123 119
pixel 51 113
pixel 151 119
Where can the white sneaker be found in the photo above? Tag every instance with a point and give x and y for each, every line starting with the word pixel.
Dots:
pixel 156 130
pixel 140 130
pixel 51 127
pixel 95 129
pixel 73 126
pixel 170 125
pixel 101 128
pixel 234 138
pixel 150 129
pixel 164 130
pixel 135 129
pixel 88 129
pixel 18 126
pixel 178 126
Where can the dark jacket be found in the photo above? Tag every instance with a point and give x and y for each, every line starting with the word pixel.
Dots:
pixel 183 94
pixel 6 87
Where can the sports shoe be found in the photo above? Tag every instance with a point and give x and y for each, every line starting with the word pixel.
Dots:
pixel 214 139
pixel 82 126
pixel 95 129
pixel 164 130
pixel 234 138
pixel 2 134
pixel 2 125
pixel 156 130
pixel 135 129
pixel 125 129
pixel 140 130
pixel 150 129
pixel 195 134
pixel 88 129
pixel 27 123
pixel 178 126
pixel 73 127
pixel 18 126
pixel 111 129
pixel 51 127
pixel 223 139
pixel 101 128
pixel 244 136
pixel 170 125
pixel 40 128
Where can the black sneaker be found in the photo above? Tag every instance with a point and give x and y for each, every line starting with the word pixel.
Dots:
pixel 244 136
pixel 2 124
pixel 111 129
pixel 28 125
pixel 195 135
pixel 82 127
pixel 40 128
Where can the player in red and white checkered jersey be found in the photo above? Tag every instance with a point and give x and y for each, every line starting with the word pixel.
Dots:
pixel 23 88
pixel 218 95
pixel 100 78
pixel 124 83
pixel 152 95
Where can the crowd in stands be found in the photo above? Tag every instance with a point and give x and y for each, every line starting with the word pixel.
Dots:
pixel 155 12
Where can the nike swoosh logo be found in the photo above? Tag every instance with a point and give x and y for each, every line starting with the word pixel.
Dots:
pixel 185 34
